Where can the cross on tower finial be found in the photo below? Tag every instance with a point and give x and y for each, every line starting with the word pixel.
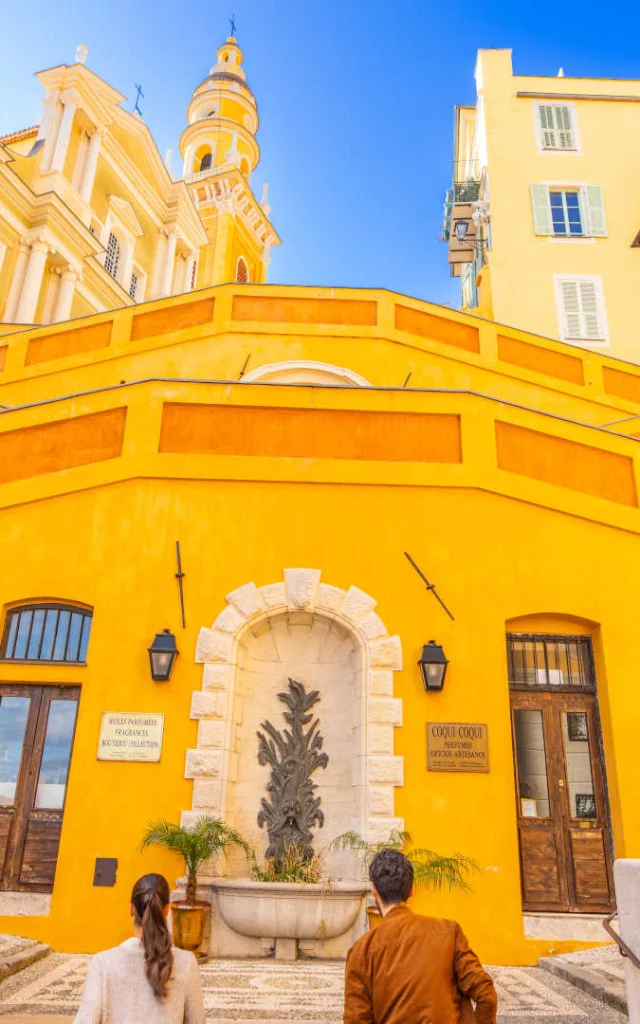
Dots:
pixel 136 108
pixel 232 22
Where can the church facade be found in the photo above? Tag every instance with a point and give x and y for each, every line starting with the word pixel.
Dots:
pixel 291 445
pixel 91 219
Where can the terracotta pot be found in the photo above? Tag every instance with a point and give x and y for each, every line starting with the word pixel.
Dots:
pixel 188 923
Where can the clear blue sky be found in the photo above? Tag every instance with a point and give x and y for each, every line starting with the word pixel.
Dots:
pixel 356 103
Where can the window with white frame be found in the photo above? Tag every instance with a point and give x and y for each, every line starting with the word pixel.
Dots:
pixel 572 211
pixel 133 286
pixel 557 130
pixel 112 255
pixel 581 308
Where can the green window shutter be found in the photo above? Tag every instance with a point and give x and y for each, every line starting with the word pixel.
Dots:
pixel 589 302
pixel 581 311
pixel 571 303
pixel 541 211
pixel 596 224
pixel 564 130
pixel 547 127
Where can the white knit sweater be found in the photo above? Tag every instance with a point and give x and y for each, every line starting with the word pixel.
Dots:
pixel 116 990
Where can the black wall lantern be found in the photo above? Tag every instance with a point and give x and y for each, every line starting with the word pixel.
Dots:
pixel 460 229
pixel 433 666
pixel 162 655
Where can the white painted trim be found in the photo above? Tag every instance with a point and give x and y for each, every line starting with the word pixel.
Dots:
pixel 341 373
pixel 603 342
pixel 535 107
pixel 212 764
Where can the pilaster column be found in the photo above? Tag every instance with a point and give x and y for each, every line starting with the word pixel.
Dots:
pixel 189 264
pixel 51 113
pixel 64 133
pixel 64 298
pixel 169 260
pixel 188 159
pixel 158 265
pixel 17 280
pixel 28 301
pixel 91 162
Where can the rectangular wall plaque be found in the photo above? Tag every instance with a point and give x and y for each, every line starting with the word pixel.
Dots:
pixel 130 736
pixel 457 747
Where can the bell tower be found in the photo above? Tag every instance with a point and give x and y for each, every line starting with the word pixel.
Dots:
pixel 220 154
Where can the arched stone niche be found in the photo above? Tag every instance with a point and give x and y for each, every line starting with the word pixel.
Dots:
pixel 304 371
pixel 331 640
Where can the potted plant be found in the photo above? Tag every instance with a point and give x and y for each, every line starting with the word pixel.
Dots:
pixel 196 844
pixel 429 868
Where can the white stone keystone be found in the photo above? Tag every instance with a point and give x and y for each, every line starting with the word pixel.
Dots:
pixel 302 588
pixel 386 769
pixel 188 819
pixel 380 682
pixel 385 710
pixel 203 763
pixel 217 677
pixel 356 604
pixel 379 829
pixel 247 600
pixel 330 598
pixel 230 620
pixel 205 704
pixel 207 795
pixel 211 733
pixel 386 653
pixel 372 626
pixel 213 646
pixel 380 799
pixel 274 595
pixel 380 739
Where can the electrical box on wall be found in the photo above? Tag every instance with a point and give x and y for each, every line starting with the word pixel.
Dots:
pixel 105 872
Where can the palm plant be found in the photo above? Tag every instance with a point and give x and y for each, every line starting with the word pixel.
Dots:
pixel 195 844
pixel 429 868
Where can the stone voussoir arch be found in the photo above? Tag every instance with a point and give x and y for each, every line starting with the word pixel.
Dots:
pixel 212 764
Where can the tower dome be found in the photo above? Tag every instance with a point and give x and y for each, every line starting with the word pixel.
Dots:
pixel 222 119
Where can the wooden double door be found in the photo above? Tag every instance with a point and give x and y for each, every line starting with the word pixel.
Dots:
pixel 37 725
pixel 563 816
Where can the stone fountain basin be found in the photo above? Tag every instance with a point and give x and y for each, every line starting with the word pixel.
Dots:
pixel 295 910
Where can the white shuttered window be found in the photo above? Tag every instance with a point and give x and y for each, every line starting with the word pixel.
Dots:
pixel 582 311
pixel 556 129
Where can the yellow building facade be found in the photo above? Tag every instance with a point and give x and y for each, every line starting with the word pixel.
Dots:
pixel 293 444
pixel 294 493
pixel 544 195
pixel 92 219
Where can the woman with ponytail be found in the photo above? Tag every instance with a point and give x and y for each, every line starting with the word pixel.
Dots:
pixel 144 980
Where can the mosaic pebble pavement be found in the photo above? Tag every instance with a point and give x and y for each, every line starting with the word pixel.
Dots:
pixel 307 992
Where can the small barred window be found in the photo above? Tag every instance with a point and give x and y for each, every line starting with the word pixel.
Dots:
pixel 52 632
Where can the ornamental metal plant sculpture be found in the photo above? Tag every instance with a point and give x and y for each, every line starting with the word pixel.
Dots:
pixel 294 755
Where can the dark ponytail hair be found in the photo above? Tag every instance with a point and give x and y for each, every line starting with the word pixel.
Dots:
pixel 149 898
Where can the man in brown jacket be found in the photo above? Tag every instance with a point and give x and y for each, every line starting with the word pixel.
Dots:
pixel 412 969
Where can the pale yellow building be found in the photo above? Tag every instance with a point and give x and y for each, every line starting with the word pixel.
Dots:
pixel 546 201
pixel 91 218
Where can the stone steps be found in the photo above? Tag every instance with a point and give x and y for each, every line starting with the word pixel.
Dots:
pixel 598 972
pixel 16 954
